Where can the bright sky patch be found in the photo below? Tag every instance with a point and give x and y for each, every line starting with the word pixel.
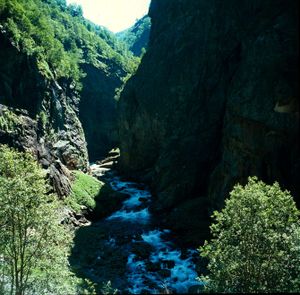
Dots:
pixel 116 15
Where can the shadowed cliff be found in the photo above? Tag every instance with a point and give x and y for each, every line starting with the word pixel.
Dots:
pixel 214 100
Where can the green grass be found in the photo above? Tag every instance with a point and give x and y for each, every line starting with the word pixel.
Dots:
pixel 85 189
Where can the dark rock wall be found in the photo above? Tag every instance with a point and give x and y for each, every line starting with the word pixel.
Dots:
pixel 40 115
pixel 215 100
pixel 98 110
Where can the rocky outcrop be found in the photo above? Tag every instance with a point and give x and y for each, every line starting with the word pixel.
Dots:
pixel 214 101
pixel 40 115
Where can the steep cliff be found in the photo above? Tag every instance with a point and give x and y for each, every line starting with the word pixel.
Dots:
pixel 57 69
pixel 40 116
pixel 214 101
pixel 98 109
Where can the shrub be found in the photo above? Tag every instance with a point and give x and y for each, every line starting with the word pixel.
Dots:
pixel 9 121
pixel 255 245
pixel 33 245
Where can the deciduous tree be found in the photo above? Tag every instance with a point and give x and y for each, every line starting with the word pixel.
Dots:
pixel 255 245
pixel 33 245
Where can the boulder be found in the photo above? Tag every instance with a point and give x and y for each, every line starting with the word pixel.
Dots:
pixel 59 177
pixel 141 249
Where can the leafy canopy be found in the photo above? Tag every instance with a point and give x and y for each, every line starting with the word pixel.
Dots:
pixel 33 245
pixel 60 38
pixel 255 245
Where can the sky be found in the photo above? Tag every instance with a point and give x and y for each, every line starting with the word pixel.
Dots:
pixel 116 15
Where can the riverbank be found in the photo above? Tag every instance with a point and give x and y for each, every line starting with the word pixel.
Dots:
pixel 130 250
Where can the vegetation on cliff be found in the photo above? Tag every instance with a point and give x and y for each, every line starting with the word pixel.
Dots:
pixel 137 36
pixel 8 121
pixel 48 52
pixel 255 245
pixel 60 38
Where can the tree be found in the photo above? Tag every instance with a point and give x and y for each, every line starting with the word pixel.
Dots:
pixel 75 10
pixel 33 245
pixel 255 245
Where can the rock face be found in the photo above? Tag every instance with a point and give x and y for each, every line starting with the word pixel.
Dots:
pixel 98 112
pixel 56 70
pixel 44 109
pixel 215 100
pixel 40 116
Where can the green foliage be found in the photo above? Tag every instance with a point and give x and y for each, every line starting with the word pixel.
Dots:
pixel 33 245
pixel 9 121
pixel 107 289
pixel 143 52
pixel 86 287
pixel 255 245
pixel 136 38
pixel 43 119
pixel 61 39
pixel 75 10
pixel 119 90
pixel 85 188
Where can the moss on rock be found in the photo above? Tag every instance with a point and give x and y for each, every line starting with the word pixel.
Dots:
pixel 98 198
pixel 85 188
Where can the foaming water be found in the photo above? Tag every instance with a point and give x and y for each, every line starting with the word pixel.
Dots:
pixel 178 273
pixel 137 198
pixel 131 209
pixel 164 268
pixel 141 216
pixel 153 238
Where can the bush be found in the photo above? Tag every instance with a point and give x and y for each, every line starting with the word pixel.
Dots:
pixel 33 245
pixel 9 121
pixel 255 245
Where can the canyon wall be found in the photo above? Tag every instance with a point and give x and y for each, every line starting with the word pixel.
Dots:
pixel 40 116
pixel 215 100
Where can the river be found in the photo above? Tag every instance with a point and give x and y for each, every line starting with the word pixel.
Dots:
pixel 154 262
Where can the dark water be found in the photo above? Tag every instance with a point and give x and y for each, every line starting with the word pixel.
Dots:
pixel 176 271
pixel 165 267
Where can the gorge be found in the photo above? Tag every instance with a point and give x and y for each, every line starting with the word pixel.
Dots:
pixel 143 134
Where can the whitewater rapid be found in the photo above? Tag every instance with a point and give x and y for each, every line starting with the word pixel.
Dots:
pixel 174 271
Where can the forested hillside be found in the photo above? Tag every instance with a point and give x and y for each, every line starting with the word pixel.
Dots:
pixel 137 36
pixel 60 38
